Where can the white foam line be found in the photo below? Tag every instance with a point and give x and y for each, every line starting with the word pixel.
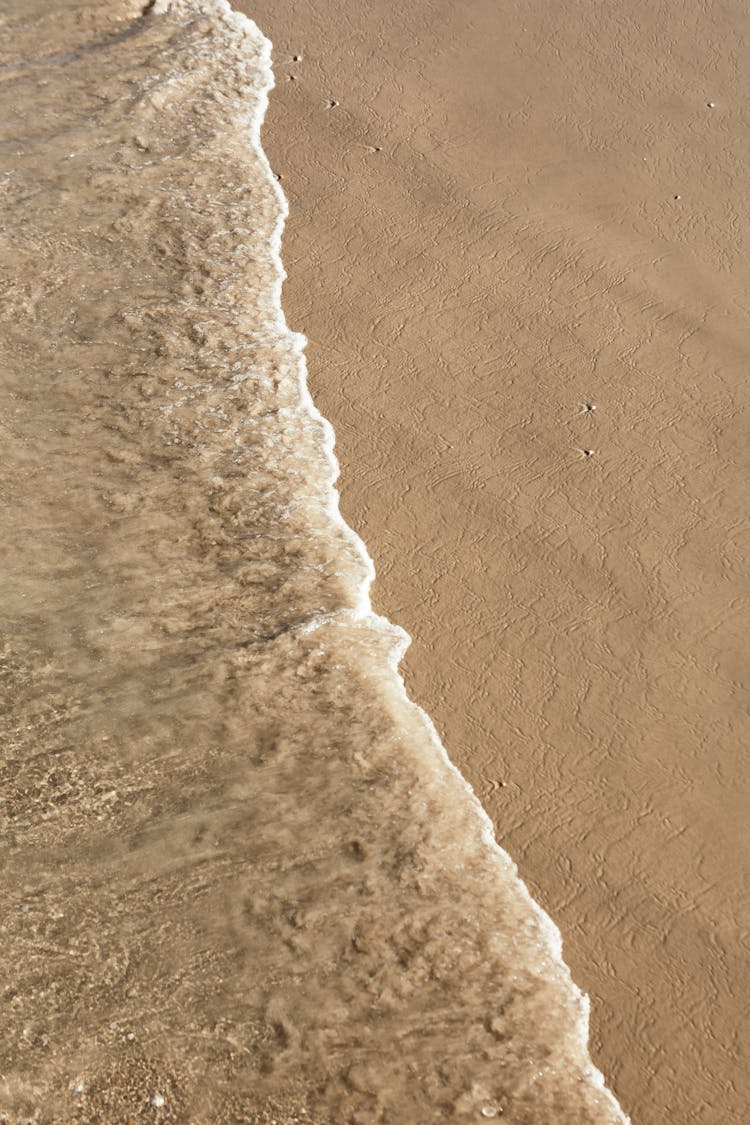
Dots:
pixel 362 610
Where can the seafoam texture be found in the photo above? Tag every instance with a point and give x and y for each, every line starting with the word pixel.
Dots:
pixel 242 881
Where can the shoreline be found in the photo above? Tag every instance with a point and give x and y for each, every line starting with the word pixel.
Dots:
pixel 542 648
pixel 245 881
pixel 515 243
pixel 400 640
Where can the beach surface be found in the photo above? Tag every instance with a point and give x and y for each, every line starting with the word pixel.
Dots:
pixel 242 879
pixel 515 212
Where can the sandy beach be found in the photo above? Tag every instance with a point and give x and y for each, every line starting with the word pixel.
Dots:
pixel 242 879
pixel 516 210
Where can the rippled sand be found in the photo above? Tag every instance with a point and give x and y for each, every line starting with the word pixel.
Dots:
pixel 242 881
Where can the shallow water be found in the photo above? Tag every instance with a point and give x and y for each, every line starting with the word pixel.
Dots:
pixel 242 881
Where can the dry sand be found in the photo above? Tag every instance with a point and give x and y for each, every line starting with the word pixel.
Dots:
pixel 516 210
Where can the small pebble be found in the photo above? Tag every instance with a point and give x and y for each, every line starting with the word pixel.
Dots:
pixel 332 104
pixel 78 1089
pixel 588 453
pixel 678 197
pixel 130 1036
pixel 296 58
pixel 489 1111
pixel 157 1101
pixel 712 105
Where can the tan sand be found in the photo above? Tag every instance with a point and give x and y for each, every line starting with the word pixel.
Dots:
pixel 516 210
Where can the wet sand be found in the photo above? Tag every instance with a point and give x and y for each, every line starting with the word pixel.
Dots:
pixel 513 212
